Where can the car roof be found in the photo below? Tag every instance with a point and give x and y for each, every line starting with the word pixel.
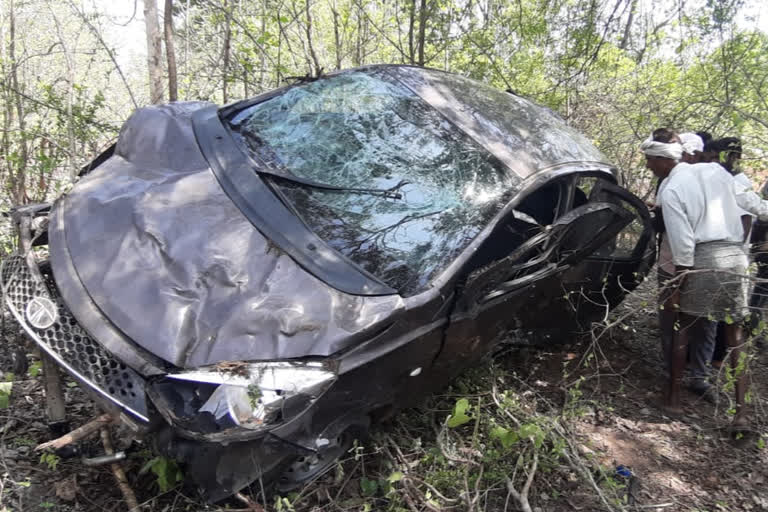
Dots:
pixel 526 137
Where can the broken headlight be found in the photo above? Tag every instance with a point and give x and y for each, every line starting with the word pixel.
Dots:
pixel 251 396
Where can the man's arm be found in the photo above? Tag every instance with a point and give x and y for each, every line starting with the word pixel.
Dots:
pixel 749 200
pixel 682 241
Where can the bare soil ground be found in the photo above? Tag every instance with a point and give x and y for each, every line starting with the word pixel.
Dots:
pixel 605 393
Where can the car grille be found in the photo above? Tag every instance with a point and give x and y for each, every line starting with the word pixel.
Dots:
pixel 68 343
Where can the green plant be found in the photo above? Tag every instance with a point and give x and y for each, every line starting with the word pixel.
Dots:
pixel 167 472
pixel 50 459
pixel 5 394
pixel 35 369
pixel 459 416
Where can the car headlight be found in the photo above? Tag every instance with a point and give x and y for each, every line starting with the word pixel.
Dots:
pixel 252 396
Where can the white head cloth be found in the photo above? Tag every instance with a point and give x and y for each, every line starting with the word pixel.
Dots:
pixel 672 150
pixel 691 143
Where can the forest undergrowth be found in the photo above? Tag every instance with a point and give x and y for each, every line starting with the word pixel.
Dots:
pixel 575 426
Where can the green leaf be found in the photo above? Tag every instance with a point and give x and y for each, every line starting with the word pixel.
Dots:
pixel 395 477
pixel 369 487
pixel 166 471
pixel 505 436
pixel 5 394
pixel 459 416
pixel 34 370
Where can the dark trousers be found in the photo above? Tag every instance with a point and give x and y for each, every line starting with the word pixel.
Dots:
pixel 701 337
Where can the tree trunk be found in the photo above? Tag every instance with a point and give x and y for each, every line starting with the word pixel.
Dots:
pixel 336 35
pixel 411 27
pixel 225 52
pixel 312 53
pixel 154 52
pixel 72 150
pixel 627 37
pixel 170 51
pixel 422 30
pixel 18 176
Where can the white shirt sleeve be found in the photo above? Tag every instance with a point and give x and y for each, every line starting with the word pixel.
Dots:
pixel 749 200
pixel 679 230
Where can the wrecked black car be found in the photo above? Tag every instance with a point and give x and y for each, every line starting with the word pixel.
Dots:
pixel 254 285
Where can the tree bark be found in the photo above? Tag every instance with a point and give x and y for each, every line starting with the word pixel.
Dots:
pixel 312 53
pixel 336 35
pixel 154 52
pixel 17 176
pixel 225 52
pixel 411 27
pixel 627 37
pixel 422 30
pixel 170 51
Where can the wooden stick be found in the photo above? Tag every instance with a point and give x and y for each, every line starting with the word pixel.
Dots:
pixel 252 505
pixel 79 433
pixel 117 470
pixel 54 396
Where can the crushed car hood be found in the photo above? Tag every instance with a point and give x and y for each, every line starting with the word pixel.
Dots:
pixel 169 259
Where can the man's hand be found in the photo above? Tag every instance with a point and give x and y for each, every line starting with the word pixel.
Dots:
pixel 677 283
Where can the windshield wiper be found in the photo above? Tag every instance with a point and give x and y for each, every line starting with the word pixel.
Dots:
pixel 389 193
pixel 251 138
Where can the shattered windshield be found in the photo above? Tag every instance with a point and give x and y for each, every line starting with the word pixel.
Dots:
pixel 367 131
pixel 524 136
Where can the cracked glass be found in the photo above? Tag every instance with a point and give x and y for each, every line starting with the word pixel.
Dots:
pixel 526 137
pixel 376 172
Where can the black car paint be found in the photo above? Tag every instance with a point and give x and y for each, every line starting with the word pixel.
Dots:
pixel 432 338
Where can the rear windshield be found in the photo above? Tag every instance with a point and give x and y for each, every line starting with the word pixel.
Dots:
pixel 367 131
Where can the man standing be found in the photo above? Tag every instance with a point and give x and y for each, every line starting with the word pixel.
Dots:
pixel 703 225
pixel 702 332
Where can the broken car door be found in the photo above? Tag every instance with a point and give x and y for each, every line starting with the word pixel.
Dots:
pixel 519 289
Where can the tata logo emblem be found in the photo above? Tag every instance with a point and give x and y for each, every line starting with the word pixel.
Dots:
pixel 42 312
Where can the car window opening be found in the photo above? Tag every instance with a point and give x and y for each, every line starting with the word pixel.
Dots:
pixel 537 210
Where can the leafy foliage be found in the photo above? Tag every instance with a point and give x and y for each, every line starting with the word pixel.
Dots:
pixel 166 471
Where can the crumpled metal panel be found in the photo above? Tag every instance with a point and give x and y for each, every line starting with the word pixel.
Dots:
pixel 173 263
pixel 524 136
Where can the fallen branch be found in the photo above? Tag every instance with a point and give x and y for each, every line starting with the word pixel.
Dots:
pixel 79 433
pixel 522 496
pixel 117 470
pixel 252 505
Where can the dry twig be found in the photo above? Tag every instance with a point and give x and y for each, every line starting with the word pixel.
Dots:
pixel 79 433
pixel 119 473
pixel 522 496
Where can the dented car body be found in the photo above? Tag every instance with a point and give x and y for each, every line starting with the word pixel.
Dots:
pixel 253 285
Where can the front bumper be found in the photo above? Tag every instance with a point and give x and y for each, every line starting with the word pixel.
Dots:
pixel 218 468
pixel 117 385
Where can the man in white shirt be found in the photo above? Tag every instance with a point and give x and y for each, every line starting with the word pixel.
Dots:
pixel 702 208
pixel 701 334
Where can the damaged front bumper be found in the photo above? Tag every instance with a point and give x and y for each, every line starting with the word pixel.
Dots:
pixel 237 449
pixel 33 300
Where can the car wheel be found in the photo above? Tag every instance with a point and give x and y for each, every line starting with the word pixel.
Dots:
pixel 308 467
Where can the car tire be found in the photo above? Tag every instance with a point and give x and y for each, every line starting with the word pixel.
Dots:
pixel 306 468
